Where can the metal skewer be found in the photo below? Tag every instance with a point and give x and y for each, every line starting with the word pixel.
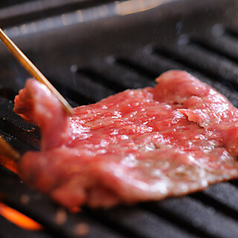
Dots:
pixel 33 70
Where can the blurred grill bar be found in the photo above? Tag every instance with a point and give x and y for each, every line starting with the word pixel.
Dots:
pixel 92 59
pixel 15 13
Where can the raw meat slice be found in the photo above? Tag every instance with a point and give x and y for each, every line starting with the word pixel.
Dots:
pixel 137 145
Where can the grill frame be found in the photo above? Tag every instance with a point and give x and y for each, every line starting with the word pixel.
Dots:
pixel 161 39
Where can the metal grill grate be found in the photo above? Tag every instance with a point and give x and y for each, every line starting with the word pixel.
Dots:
pixel 92 59
pixel 14 12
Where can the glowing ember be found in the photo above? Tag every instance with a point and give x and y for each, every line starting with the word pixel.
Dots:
pixel 7 212
pixel 8 163
pixel 18 218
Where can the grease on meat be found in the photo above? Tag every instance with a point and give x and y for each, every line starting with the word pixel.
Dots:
pixel 137 145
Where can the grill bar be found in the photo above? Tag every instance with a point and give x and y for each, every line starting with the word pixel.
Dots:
pixel 30 11
pixel 10 230
pixel 142 223
pixel 42 210
pixel 214 224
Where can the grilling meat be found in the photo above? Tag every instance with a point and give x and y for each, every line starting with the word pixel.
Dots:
pixel 137 145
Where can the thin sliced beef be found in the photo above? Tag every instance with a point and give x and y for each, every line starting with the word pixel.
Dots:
pixel 137 145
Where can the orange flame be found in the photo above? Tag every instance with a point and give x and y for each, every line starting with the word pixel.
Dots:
pixel 8 163
pixel 18 218
pixel 9 213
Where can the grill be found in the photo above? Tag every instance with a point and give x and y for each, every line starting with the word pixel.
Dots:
pixel 92 49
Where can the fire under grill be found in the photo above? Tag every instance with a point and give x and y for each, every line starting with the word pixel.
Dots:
pixel 90 50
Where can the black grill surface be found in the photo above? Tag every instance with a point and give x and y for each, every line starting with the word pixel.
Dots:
pixel 92 49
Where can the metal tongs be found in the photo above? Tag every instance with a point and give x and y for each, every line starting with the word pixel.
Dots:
pixel 5 149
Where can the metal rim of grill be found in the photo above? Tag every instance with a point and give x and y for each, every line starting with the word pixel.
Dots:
pixel 94 50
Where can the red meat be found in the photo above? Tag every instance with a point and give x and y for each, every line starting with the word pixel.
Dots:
pixel 138 145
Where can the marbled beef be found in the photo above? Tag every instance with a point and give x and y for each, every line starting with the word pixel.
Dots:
pixel 137 145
